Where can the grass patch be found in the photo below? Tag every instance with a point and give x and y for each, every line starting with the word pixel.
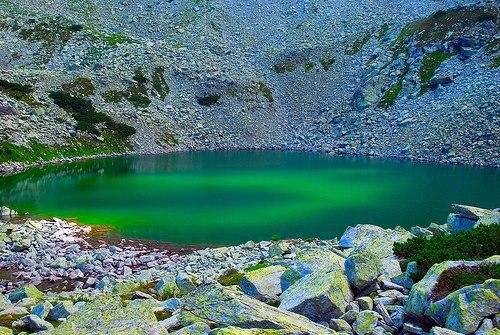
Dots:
pixel 115 39
pixel 260 265
pixel 391 95
pixel 430 64
pixel 77 147
pixel 495 63
pixel 81 87
pixel 326 63
pixel 160 85
pixel 209 100
pixel 230 277
pixel 20 92
pixel 264 89
pixel 137 94
pixel 112 96
pixel 456 278
pixel 358 44
pixel 87 117
pixel 445 25
pixel 383 30
pixel 169 139
pixel 309 66
pixel 476 244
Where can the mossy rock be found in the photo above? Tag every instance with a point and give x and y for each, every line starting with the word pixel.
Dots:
pixel 28 291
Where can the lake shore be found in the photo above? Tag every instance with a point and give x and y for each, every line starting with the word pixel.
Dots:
pixel 321 286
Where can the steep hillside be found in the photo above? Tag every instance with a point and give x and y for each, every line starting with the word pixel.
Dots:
pixel 416 79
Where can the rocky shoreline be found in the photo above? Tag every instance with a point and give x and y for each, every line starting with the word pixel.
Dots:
pixel 354 285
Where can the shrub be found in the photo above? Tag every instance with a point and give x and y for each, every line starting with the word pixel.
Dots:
pixel 209 99
pixel 476 244
pixel 230 277
pixel 260 265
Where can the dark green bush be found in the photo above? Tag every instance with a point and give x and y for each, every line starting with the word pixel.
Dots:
pixel 476 244
pixel 209 100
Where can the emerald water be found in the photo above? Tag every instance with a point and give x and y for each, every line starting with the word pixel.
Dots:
pixel 221 198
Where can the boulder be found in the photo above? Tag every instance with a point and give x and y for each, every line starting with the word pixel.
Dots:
pixel 362 269
pixel 167 287
pixel 185 283
pixel 198 328
pixel 61 310
pixel 36 324
pixel 251 331
pixel 486 328
pixel 227 306
pixel 106 315
pixel 469 212
pixel 442 331
pixel 462 310
pixel 11 314
pixel 419 231
pixel 488 219
pixel 435 228
pixel 6 331
pixel 6 212
pixel 365 322
pixel 4 302
pixel 457 223
pixel 263 284
pixel 309 261
pixel 28 291
pixel 42 310
pixel 279 248
pixel 320 296
pixel 340 325
pixel 365 303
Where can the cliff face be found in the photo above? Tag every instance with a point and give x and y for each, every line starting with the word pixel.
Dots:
pixel 389 78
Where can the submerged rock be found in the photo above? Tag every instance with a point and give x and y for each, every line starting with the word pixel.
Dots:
pixel 227 306
pixel 320 296
pixel 263 284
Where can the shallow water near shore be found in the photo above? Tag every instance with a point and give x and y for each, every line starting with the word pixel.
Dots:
pixel 220 198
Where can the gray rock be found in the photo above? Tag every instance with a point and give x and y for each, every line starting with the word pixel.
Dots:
pixel 197 328
pixel 320 296
pixel 263 284
pixel 413 329
pixel 185 283
pixel 227 306
pixel 457 223
pixel 486 328
pixel 442 331
pixel 172 304
pixel 42 310
pixel 35 323
pixel 350 316
pixel 362 269
pixel 28 291
pixel 340 325
pixel 365 303
pixel 61 310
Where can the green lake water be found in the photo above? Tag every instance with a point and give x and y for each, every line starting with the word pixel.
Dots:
pixel 219 198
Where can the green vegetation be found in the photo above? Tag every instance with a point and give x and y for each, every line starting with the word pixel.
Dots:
pixel 285 66
pixel 476 244
pixel 81 87
pixel 112 96
pixel 230 277
pixel 139 76
pixel 17 91
pixel 52 34
pixel 430 64
pixel 260 265
pixel 358 44
pixel 137 94
pixel 455 278
pixel 309 66
pixel 77 147
pixel 209 99
pixel 117 38
pixel 383 30
pixel 159 83
pixel 391 95
pixel 169 139
pixel 445 25
pixel 326 63
pixel 266 91
pixel 87 117
pixel 496 63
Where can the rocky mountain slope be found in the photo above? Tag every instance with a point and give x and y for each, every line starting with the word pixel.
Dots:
pixel 415 79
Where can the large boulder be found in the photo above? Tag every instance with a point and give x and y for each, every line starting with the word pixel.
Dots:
pixel 28 291
pixel 251 331
pixel 228 306
pixel 461 310
pixel 362 269
pixel 457 223
pixel 6 212
pixel 106 315
pixel 374 239
pixel 467 217
pixel 320 296
pixel 263 284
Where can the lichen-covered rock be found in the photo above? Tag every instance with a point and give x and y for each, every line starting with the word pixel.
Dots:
pixel 167 287
pixel 289 277
pixel 362 269
pixel 7 212
pixel 462 310
pixel 365 303
pixel 106 315
pixel 42 309
pixel 489 219
pixel 278 248
pixel 376 240
pixel 11 314
pixel 36 324
pixel 365 322
pixel 309 261
pixel 6 331
pixel 227 306
pixel 457 223
pixel 320 296
pixel 263 284
pixel 251 331
pixel 197 328
pixel 340 325
pixel 185 283
pixel 28 291
pixel 442 331
pixel 469 212
pixel 4 302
